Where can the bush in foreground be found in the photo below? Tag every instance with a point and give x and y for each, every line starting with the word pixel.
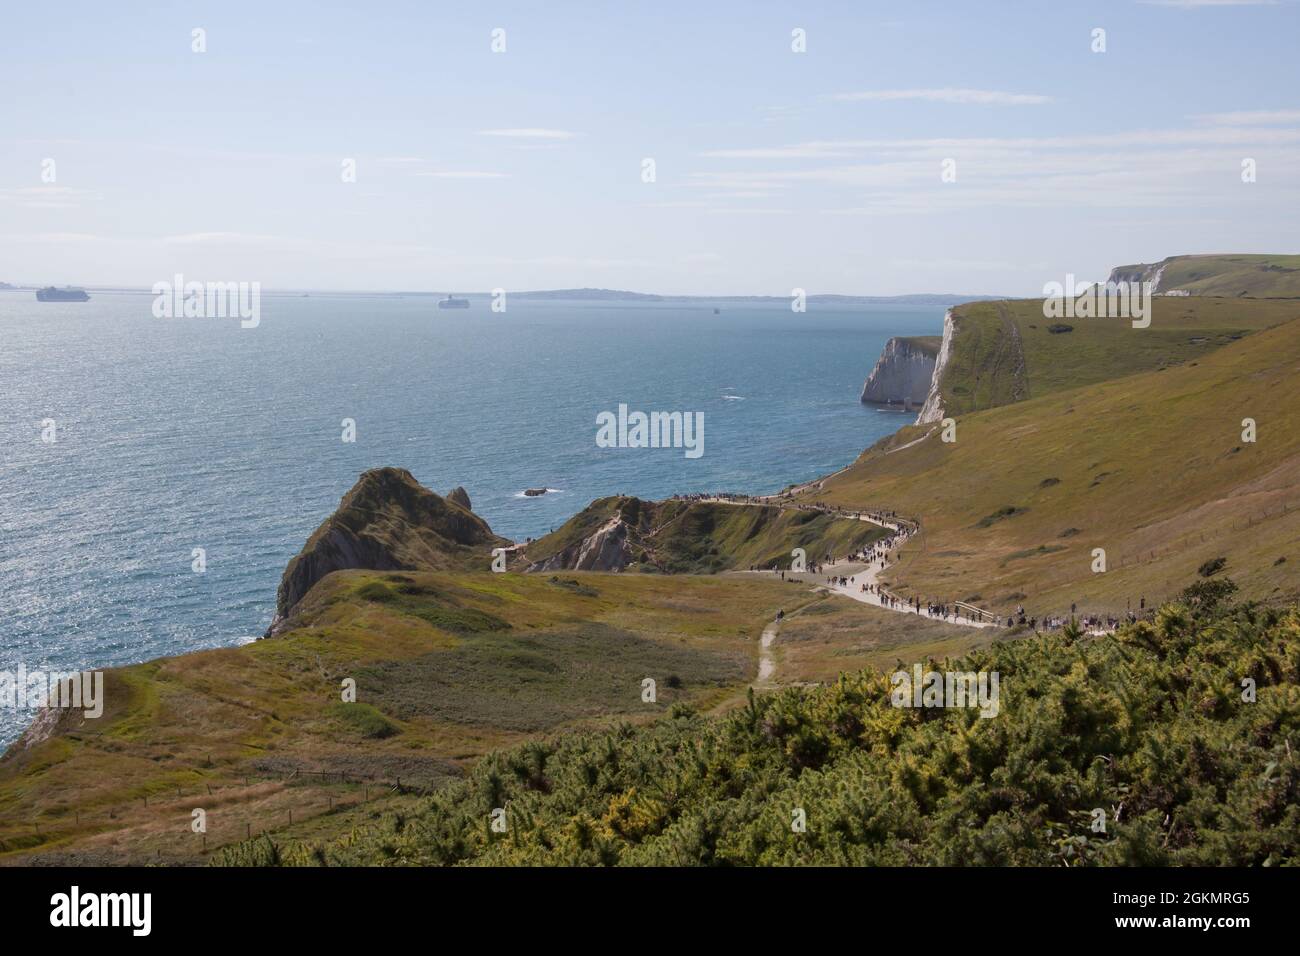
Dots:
pixel 1153 726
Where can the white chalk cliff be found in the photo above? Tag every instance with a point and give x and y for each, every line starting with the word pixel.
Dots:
pixel 902 374
pixel 932 410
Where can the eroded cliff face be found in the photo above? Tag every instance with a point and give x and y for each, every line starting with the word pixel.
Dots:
pixel 388 521
pixel 1139 273
pixel 903 372
pixel 690 536
pixel 932 409
pixel 609 548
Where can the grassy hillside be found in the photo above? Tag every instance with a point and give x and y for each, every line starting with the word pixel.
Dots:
pixel 1006 351
pixel 1231 276
pixel 1151 467
pixel 1149 727
pixel 447 666
pixel 693 537
pixel 835 636
pixel 924 343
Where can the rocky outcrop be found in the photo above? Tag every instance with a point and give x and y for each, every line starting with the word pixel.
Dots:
pixel 1139 273
pixel 689 536
pixel 388 522
pixel 606 549
pixel 932 409
pixel 459 496
pixel 903 372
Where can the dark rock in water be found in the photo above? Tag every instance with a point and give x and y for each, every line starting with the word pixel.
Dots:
pixel 459 496
pixel 387 522
pixel 534 492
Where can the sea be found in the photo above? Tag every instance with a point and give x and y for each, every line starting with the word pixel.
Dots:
pixel 171 435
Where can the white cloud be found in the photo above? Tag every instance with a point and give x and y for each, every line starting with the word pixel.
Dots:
pixel 1188 4
pixel 948 95
pixel 62 237
pixel 227 238
pixel 465 174
pixel 528 133
pixel 47 197
pixel 1251 117
pixel 797 151
pixel 750 210
pixel 1170 168
pixel 674 204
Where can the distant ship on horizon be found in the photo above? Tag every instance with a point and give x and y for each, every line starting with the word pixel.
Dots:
pixel 66 294
pixel 451 302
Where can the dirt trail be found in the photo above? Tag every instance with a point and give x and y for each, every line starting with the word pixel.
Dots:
pixel 861 572
pixel 1019 377
pixel 870 574
pixel 766 659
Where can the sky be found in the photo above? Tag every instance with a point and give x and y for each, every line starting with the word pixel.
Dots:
pixel 524 168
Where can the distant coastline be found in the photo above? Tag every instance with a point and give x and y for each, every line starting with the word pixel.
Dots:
pixel 584 295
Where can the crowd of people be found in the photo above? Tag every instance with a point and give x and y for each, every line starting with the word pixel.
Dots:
pixel 958 611
pixel 876 555
pixel 885 518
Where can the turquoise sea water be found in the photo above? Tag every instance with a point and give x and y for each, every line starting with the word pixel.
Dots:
pixel 185 433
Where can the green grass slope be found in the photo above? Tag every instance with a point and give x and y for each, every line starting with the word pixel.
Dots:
pixel 1231 276
pixel 448 665
pixel 1150 467
pixel 1007 351
pixel 929 344
pixel 831 637
pixel 1148 727
pixel 693 537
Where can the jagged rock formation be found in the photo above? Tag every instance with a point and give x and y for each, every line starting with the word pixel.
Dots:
pixel 609 548
pixel 690 537
pixel 459 496
pixel 903 372
pixel 388 521
pixel 932 408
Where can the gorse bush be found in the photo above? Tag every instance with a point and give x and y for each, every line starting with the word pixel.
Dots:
pixel 1156 726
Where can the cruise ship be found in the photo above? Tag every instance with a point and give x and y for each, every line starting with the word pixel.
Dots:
pixel 451 302
pixel 51 294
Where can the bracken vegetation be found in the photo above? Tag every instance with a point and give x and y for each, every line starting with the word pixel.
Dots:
pixel 1151 725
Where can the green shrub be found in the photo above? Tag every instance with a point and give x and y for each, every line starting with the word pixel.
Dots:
pixel 365 720
pixel 1149 725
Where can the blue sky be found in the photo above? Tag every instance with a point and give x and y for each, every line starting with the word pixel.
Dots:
pixel 522 170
